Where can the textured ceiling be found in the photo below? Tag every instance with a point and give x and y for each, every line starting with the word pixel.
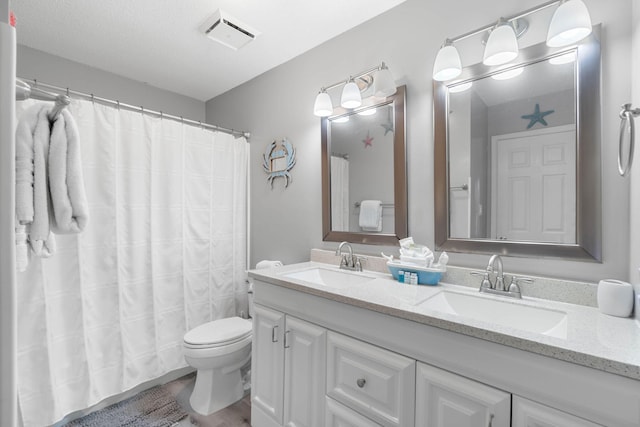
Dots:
pixel 159 41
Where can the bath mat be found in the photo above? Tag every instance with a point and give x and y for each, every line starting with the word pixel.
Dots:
pixel 155 407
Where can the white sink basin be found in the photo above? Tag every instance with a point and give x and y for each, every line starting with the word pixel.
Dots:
pixel 506 313
pixel 330 278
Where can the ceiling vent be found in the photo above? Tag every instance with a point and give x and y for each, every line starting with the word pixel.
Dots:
pixel 228 31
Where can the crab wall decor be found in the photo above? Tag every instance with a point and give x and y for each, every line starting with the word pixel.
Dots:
pixel 278 160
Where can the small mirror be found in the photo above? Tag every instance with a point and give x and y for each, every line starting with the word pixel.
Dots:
pixel 517 156
pixel 364 191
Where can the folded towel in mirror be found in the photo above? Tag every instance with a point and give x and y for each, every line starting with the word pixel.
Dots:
pixel 371 215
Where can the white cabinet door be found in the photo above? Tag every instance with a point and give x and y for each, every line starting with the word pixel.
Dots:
pixel 304 373
pixel 531 414
pixel 444 399
pixel 267 367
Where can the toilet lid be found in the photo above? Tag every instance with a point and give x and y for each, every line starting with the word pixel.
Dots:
pixel 218 332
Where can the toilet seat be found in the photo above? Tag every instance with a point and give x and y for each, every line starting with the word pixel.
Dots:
pixel 219 333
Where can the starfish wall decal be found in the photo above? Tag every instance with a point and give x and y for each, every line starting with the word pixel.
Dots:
pixel 537 116
pixel 388 127
pixel 368 141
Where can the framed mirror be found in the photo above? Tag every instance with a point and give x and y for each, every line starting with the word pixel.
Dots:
pixel 364 179
pixel 517 156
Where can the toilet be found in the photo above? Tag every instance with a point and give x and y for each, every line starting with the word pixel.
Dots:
pixel 218 350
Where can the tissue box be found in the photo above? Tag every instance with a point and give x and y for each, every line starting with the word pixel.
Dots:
pixel 426 275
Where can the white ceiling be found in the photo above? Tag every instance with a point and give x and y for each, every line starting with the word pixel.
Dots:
pixel 159 42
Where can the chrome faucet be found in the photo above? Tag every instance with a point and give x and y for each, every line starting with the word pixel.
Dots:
pixel 496 262
pixel 348 261
pixel 499 287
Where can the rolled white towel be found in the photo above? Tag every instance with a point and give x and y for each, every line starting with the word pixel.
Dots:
pixel 40 238
pixel 268 264
pixel 68 199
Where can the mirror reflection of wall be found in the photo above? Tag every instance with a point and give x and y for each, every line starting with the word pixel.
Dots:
pixel 362 167
pixel 512 154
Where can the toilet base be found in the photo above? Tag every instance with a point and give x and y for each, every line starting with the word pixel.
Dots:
pixel 215 390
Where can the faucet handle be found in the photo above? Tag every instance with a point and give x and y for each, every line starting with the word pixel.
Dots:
pixel 514 287
pixel 486 283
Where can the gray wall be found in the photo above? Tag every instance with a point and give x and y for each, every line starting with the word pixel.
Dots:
pixel 634 263
pixel 286 224
pixel 47 68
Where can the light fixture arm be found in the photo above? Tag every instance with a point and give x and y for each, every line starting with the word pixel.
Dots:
pixel 355 76
pixel 507 19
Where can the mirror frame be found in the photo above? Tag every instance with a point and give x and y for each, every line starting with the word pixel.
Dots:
pixel 401 229
pixel 588 246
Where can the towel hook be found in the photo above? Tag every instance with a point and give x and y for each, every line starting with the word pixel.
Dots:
pixel 627 115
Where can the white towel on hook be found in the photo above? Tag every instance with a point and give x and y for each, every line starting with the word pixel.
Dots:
pixel 371 215
pixel 68 197
pixel 32 204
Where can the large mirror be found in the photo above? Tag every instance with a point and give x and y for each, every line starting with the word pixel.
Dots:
pixel 517 156
pixel 364 180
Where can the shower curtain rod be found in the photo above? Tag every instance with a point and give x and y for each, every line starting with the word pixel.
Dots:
pixel 118 104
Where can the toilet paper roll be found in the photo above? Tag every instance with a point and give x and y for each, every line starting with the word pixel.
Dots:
pixel 268 264
pixel 615 297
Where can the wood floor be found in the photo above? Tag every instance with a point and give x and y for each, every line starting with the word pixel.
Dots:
pixel 236 415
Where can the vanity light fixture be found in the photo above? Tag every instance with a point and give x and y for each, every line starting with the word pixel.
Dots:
pixel 379 77
pixel 323 106
pixel 502 45
pixel 447 65
pixel 570 24
pixel 351 97
pixel 383 84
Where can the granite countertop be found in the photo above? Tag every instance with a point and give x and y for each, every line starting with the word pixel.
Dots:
pixel 593 339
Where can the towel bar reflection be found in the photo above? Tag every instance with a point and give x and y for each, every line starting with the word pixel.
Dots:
pixel 463 187
pixel 384 205
pixel 627 115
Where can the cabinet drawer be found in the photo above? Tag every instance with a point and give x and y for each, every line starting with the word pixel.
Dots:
pixel 338 415
pixel 376 382
pixel 531 414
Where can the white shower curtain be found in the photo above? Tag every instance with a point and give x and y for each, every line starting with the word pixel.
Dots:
pixel 339 194
pixel 164 251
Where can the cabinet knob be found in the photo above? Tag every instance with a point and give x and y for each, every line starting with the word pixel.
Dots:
pixel 361 382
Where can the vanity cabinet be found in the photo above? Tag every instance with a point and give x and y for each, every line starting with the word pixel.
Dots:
pixel 352 366
pixel 531 414
pixel 288 370
pixel 444 399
